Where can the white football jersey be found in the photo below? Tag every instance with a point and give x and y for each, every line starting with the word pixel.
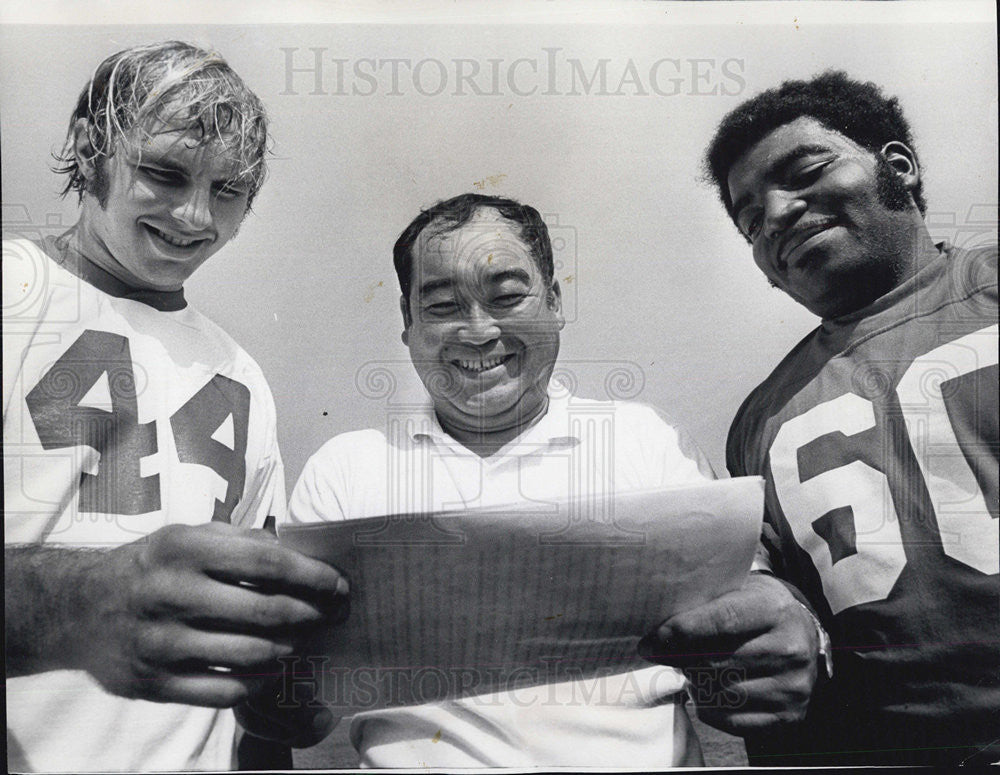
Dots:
pixel 123 412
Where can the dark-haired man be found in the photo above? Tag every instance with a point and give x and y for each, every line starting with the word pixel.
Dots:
pixel 878 438
pixel 482 316
pixel 140 444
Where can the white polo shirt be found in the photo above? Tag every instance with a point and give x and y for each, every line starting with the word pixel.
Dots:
pixel 578 447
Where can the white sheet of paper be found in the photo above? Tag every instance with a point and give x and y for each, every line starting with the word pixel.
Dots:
pixel 469 602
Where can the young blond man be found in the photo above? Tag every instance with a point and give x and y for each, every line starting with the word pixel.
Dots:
pixel 140 442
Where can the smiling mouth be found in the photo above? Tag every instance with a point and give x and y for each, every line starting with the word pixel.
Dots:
pixel 177 242
pixel 798 239
pixel 479 365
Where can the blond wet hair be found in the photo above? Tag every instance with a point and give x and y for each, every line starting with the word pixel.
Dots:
pixel 137 91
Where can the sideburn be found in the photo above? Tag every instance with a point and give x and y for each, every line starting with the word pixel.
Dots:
pixel 100 185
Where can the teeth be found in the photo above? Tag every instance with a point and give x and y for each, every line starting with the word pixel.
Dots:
pixel 480 365
pixel 181 243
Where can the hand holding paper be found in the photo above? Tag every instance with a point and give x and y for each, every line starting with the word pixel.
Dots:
pixel 750 656
pixel 461 603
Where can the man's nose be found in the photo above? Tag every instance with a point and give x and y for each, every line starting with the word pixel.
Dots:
pixel 479 325
pixel 195 208
pixel 781 210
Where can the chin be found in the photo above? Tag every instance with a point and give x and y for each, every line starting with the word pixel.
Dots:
pixel 165 285
pixel 486 412
pixel 481 412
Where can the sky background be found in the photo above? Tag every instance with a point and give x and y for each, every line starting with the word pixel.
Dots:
pixel 663 302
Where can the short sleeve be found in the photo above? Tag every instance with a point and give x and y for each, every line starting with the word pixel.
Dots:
pixel 265 492
pixel 318 496
pixel 672 457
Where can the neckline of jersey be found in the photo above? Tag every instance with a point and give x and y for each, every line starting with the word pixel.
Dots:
pixel 73 261
pixel 935 255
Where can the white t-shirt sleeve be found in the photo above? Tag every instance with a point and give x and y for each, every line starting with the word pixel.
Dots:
pixel 670 455
pixel 264 494
pixel 321 492
pixel 271 499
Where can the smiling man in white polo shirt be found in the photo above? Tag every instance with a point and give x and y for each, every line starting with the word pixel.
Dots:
pixel 482 316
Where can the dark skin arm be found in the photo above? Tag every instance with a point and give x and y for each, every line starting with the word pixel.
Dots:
pixel 751 656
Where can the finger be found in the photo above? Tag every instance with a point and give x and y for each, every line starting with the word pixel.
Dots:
pixel 210 605
pixel 758 606
pixel 771 656
pixel 179 646
pixel 255 556
pixel 726 694
pixel 735 614
pixel 267 564
pixel 208 689
pixel 741 723
pixel 761 657
pixel 234 555
pixel 681 651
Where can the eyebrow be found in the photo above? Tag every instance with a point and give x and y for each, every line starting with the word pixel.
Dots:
pixel 163 161
pixel 778 167
pixel 158 161
pixel 510 274
pixel 429 287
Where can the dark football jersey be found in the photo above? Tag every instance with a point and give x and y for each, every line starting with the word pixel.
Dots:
pixel 878 439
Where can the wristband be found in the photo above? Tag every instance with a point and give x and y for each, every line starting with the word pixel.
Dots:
pixel 825 647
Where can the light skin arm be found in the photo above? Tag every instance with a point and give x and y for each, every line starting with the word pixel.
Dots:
pixel 156 619
pixel 43 589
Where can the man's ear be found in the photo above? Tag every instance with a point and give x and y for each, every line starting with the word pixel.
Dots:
pixel 404 307
pixel 903 162
pixel 84 152
pixel 554 300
